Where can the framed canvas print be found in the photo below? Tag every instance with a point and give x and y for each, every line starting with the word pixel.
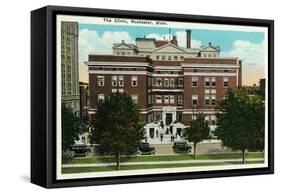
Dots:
pixel 126 96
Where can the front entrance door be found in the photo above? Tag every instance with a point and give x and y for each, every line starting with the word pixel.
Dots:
pixel 151 132
pixel 169 118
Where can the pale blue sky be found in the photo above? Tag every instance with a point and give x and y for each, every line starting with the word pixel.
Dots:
pixel 247 46
pixel 224 39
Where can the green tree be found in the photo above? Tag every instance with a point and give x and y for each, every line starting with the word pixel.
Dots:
pixel 197 132
pixel 118 127
pixel 71 126
pixel 241 121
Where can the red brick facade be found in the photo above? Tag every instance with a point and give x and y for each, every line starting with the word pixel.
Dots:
pixel 177 83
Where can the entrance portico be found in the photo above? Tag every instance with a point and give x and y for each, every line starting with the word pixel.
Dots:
pixel 169 114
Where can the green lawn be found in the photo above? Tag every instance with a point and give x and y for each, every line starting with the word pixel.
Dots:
pixel 136 167
pixel 104 159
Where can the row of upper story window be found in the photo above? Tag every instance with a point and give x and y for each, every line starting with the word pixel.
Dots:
pixel 166 57
pixel 210 119
pixel 192 70
pixel 209 100
pixel 167 99
pixel 101 97
pixel 118 80
pixel 209 82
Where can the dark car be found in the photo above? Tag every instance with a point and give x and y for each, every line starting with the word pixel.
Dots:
pixel 79 150
pixel 181 147
pixel 146 149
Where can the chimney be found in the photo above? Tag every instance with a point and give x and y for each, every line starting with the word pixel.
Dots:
pixel 188 38
pixel 174 41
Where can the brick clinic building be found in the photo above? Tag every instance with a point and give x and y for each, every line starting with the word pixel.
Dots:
pixel 69 66
pixel 171 84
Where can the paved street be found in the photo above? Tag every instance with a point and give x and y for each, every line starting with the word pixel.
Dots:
pixel 205 147
pixel 161 162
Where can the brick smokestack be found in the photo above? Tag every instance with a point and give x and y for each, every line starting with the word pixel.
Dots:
pixel 188 38
pixel 174 40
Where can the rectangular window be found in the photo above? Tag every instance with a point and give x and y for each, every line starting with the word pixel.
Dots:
pixel 194 81
pixel 158 99
pixel 166 99
pixel 121 90
pixel 193 117
pixel 213 119
pixel 172 99
pixel 134 81
pixel 194 100
pixel 149 99
pixel 207 82
pixel 180 117
pixel 213 91
pixel 159 81
pixel 175 58
pixel 213 82
pixel 207 100
pixel 213 100
pixel 100 80
pixel 121 80
pixel 172 82
pixel 169 58
pixel 166 82
pixel 182 58
pixel 149 80
pixel 225 82
pixel 100 98
pixel 180 99
pixel 157 57
pixel 207 91
pixel 114 90
pixel 134 98
pixel 180 82
pixel 163 58
pixel 114 80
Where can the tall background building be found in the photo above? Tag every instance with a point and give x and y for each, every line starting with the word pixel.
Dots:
pixel 70 66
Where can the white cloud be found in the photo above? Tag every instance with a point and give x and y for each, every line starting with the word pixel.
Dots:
pixel 250 53
pixel 92 42
pixel 253 58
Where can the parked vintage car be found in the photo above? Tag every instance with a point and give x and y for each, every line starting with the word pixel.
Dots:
pixel 79 150
pixel 181 147
pixel 145 149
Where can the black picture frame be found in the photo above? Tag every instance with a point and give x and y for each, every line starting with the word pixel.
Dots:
pixel 43 96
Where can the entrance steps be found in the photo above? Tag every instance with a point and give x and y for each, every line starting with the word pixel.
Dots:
pixel 166 139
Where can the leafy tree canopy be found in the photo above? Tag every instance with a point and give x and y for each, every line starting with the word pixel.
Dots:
pixel 71 126
pixel 198 131
pixel 118 126
pixel 241 121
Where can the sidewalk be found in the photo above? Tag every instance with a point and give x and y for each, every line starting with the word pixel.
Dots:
pixel 160 162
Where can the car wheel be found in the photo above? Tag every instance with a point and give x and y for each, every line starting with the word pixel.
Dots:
pixel 72 154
